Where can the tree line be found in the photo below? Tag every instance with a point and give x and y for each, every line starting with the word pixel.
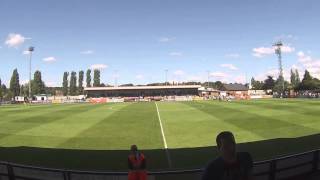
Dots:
pixel 17 89
pixel 72 88
pixel 307 83
pixel 73 85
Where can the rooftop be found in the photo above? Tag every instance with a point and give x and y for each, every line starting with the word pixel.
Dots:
pixel 141 87
pixel 234 87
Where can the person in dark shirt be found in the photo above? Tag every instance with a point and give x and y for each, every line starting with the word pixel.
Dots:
pixel 230 165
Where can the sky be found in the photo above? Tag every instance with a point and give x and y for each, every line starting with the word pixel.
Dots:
pixel 136 41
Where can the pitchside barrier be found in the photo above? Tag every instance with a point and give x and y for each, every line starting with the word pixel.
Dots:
pixel 279 168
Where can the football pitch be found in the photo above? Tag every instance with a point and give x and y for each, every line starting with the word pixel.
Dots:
pixel 98 136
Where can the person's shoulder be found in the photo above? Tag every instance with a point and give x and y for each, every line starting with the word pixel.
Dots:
pixel 213 169
pixel 245 157
pixel 142 155
pixel 216 163
pixel 130 156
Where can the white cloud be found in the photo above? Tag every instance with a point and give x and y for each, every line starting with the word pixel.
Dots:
pixel 175 54
pixel 196 78
pixel 274 72
pixel 286 37
pixel 166 39
pixel 15 40
pixel 294 66
pixel 52 84
pixel 178 73
pixel 234 55
pixel 309 63
pixel 99 66
pixel 303 58
pixel 264 51
pixel 23 82
pixel 229 66
pixel 49 59
pixel 240 79
pixel 87 52
pixel 25 52
pixel 139 76
pixel 287 49
pixel 219 75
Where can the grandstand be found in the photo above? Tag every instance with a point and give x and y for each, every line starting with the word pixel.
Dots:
pixel 138 91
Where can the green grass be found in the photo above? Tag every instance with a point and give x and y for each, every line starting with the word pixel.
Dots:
pixel 86 136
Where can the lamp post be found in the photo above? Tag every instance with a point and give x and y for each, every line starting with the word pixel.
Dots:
pixel 208 72
pixel 30 49
pixel 166 76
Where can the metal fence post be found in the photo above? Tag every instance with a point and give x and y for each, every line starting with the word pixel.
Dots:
pixel 273 169
pixel 66 175
pixel 10 172
pixel 315 164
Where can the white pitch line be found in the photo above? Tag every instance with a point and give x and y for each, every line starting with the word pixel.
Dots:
pixel 161 127
pixel 164 137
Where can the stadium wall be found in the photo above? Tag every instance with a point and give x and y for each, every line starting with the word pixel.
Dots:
pixel 300 166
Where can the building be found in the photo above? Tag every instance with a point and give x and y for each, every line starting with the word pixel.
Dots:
pixel 20 99
pixel 207 92
pixel 40 97
pixel 239 91
pixel 142 91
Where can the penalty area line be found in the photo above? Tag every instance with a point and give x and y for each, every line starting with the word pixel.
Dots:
pixel 164 137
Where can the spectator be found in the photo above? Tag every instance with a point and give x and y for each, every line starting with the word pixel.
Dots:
pixel 137 165
pixel 230 165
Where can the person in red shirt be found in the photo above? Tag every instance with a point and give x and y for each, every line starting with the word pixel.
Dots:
pixel 137 165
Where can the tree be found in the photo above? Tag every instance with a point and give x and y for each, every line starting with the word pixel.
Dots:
pixel 88 78
pixel 21 90
pixel 307 76
pixel 218 85
pixel 96 78
pixel 297 78
pixel 4 90
pixel 37 85
pixel 256 85
pixel 25 89
pixel 123 85
pixel 308 82
pixel 65 83
pixel 269 83
pixel 280 85
pixel 80 83
pixel 14 84
pixel 293 78
pixel 1 94
pixel 73 83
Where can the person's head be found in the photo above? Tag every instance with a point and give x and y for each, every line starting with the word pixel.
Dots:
pixel 226 144
pixel 134 148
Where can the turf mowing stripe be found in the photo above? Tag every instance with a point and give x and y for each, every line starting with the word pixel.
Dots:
pixel 164 138
pixel 22 124
pixel 303 116
pixel 53 133
pixel 268 127
pixel 120 128
pixel 193 127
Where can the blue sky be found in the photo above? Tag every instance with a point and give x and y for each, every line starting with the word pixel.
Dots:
pixel 137 40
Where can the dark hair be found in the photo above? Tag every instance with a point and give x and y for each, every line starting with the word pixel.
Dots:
pixel 225 135
pixel 134 147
